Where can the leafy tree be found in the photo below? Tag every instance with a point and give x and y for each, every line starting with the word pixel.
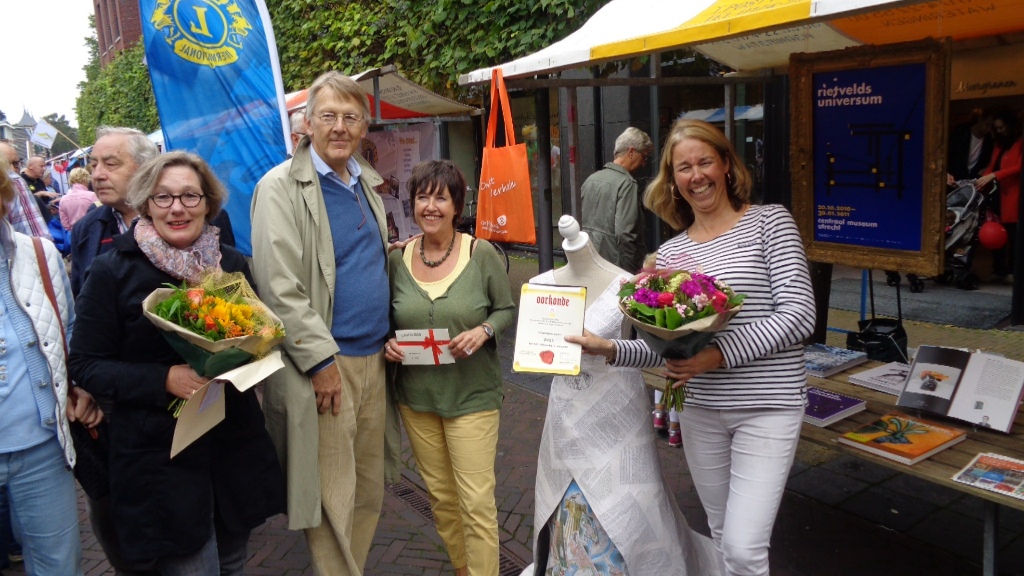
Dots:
pixel 120 95
pixel 61 143
pixel 92 67
pixel 431 41
pixel 2 116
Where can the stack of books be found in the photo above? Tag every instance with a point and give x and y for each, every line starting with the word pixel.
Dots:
pixel 888 378
pixel 825 407
pixel 824 360
pixel 903 439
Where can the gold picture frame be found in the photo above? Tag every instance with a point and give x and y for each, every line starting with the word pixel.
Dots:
pixel 934 56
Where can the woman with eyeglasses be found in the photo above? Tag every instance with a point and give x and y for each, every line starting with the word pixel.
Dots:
pixel 191 514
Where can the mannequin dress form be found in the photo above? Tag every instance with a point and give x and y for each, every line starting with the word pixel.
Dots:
pixel 601 505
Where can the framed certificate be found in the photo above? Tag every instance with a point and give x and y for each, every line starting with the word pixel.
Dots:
pixel 547 314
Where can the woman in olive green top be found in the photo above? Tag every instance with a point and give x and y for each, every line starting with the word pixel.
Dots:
pixel 450 280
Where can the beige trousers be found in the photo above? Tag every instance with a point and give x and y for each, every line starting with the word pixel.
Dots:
pixel 351 460
pixel 455 457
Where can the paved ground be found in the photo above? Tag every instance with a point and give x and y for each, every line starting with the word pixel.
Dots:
pixel 840 516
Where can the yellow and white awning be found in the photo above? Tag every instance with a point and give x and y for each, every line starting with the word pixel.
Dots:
pixel 757 34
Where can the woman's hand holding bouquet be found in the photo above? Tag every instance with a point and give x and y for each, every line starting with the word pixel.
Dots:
pixel 216 326
pixel 678 312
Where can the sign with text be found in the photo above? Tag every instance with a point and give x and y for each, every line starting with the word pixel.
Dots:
pixel 868 156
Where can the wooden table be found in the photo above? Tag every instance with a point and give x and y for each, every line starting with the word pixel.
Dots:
pixel 939 469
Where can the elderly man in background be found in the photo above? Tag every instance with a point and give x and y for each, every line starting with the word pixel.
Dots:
pixel 34 176
pixel 298 125
pixel 24 214
pixel 116 155
pixel 319 258
pixel 612 213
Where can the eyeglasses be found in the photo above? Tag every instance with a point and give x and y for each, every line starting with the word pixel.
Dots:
pixel 331 119
pixel 188 200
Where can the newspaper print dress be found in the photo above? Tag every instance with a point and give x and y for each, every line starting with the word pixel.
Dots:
pixel 598 442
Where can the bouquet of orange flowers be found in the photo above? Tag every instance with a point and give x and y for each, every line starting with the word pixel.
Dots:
pixel 216 326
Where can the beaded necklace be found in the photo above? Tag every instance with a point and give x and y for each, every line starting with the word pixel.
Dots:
pixel 436 263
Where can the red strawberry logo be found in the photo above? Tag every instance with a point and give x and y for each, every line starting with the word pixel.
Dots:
pixel 547 357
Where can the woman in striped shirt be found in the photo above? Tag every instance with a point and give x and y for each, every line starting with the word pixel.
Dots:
pixel 742 423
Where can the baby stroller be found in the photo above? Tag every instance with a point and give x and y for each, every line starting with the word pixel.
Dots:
pixel 966 207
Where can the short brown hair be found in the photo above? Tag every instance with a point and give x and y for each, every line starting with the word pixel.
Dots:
pixel 661 196
pixel 146 178
pixel 436 175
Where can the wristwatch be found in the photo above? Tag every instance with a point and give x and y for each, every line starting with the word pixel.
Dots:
pixel 488 330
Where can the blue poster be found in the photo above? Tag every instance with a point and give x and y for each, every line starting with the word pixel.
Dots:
pixel 869 156
pixel 219 93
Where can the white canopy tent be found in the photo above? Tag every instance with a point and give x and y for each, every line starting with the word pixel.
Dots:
pixel 753 35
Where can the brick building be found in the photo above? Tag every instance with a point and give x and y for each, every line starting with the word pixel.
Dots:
pixel 118 27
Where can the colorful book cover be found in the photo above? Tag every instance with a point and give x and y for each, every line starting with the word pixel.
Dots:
pixel 995 473
pixel 903 439
pixel 825 407
pixel 824 360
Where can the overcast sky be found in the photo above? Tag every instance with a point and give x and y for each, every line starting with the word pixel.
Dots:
pixel 43 47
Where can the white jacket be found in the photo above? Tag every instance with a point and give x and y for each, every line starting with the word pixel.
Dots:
pixel 31 295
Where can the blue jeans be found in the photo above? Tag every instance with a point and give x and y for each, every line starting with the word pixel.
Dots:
pixel 7 543
pixel 44 508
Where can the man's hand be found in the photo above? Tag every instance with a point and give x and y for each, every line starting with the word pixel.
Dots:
pixel 401 244
pixel 46 194
pixel 327 386
pixel 82 408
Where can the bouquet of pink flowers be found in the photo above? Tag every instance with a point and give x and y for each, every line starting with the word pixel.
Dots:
pixel 677 312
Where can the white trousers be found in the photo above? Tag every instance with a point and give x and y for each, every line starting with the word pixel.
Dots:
pixel 740 460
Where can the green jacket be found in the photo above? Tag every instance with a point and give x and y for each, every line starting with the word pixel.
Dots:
pixel 613 218
pixel 481 293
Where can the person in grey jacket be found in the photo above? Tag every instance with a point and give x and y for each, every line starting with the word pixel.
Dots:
pixel 611 203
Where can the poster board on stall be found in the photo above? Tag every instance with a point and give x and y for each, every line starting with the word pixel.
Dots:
pixel 393 154
pixel 868 155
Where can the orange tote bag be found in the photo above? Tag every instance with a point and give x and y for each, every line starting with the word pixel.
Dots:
pixel 504 201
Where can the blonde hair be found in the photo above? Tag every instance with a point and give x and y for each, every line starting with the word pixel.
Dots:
pixel 79 176
pixel 661 196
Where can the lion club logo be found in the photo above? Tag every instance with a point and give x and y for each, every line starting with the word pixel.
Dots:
pixel 205 32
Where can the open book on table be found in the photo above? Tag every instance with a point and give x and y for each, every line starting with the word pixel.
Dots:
pixel 976 387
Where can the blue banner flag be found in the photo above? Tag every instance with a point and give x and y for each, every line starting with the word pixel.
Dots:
pixel 219 93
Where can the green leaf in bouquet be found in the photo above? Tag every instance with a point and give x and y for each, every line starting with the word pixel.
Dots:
pixel 659 318
pixel 207 363
pixel 627 290
pixel 673 319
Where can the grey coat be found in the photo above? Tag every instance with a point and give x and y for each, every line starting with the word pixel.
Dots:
pixel 293 263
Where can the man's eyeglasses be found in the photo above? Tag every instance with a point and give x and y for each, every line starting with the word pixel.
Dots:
pixel 188 200
pixel 331 119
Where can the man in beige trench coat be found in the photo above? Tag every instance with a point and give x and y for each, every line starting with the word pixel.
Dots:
pixel 319 259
